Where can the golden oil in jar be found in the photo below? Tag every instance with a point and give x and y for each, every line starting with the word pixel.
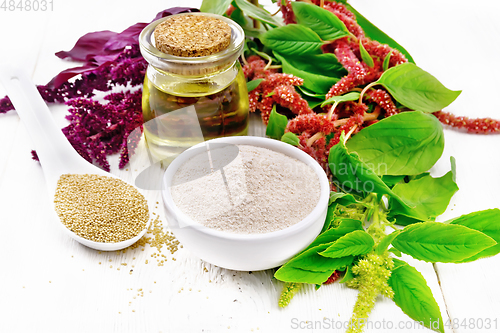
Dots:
pixel 189 99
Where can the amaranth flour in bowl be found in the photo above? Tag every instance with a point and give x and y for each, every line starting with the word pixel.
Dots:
pixel 258 191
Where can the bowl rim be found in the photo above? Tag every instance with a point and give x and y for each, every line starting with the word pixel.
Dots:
pixel 249 140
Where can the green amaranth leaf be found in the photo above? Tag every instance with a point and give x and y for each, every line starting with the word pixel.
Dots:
pixel 398 263
pixel 330 217
pixel 326 24
pixel 310 267
pixel 414 297
pixel 312 101
pixel 293 274
pixel 395 251
pixel 311 260
pixel 353 244
pixel 375 33
pixel 248 46
pixel 314 69
pixel 331 235
pixel 252 32
pixel 352 173
pixel 251 85
pixel 239 17
pixel 319 84
pixel 387 59
pixel 310 93
pixel 292 39
pixel 257 13
pixel 415 88
pixel 407 143
pixel 429 197
pixel 348 276
pixel 365 56
pixel 215 6
pixel 391 180
pixel 386 241
pixel 487 222
pixel 290 138
pixel 325 64
pixel 404 220
pixel 416 177
pixel 351 96
pixel 439 242
pixel 345 199
pixel 276 125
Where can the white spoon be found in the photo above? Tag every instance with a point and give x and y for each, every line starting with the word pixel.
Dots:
pixel 54 151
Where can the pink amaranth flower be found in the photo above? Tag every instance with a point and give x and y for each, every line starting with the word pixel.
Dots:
pixel 310 123
pixel 287 12
pixel 478 125
pixel 277 88
pixel 382 98
pixel 286 96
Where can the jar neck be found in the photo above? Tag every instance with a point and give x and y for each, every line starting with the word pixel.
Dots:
pixel 192 85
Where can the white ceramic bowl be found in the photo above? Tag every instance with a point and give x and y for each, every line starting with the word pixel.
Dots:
pixel 244 252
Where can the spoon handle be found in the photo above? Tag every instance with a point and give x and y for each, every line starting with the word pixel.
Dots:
pixel 53 149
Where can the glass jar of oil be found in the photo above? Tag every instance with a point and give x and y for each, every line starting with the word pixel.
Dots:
pixel 190 99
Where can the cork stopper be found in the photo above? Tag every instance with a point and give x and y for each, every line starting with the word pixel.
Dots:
pixel 192 35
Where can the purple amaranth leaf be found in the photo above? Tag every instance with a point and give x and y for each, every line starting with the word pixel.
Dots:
pixel 127 37
pixel 67 74
pixel 130 35
pixel 88 45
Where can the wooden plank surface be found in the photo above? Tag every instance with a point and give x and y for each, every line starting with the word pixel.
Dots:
pixel 49 283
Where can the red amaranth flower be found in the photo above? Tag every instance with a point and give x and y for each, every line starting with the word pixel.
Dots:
pixel 359 72
pixel 287 97
pixel 128 68
pixel 277 88
pixel 382 98
pixel 310 123
pixel 265 106
pixel 253 100
pixel 317 150
pixel 334 277
pixel 345 84
pixel 478 125
pixel 97 130
pixel 355 121
pixel 287 12
pixel 255 68
pixel 345 54
pixel 382 50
